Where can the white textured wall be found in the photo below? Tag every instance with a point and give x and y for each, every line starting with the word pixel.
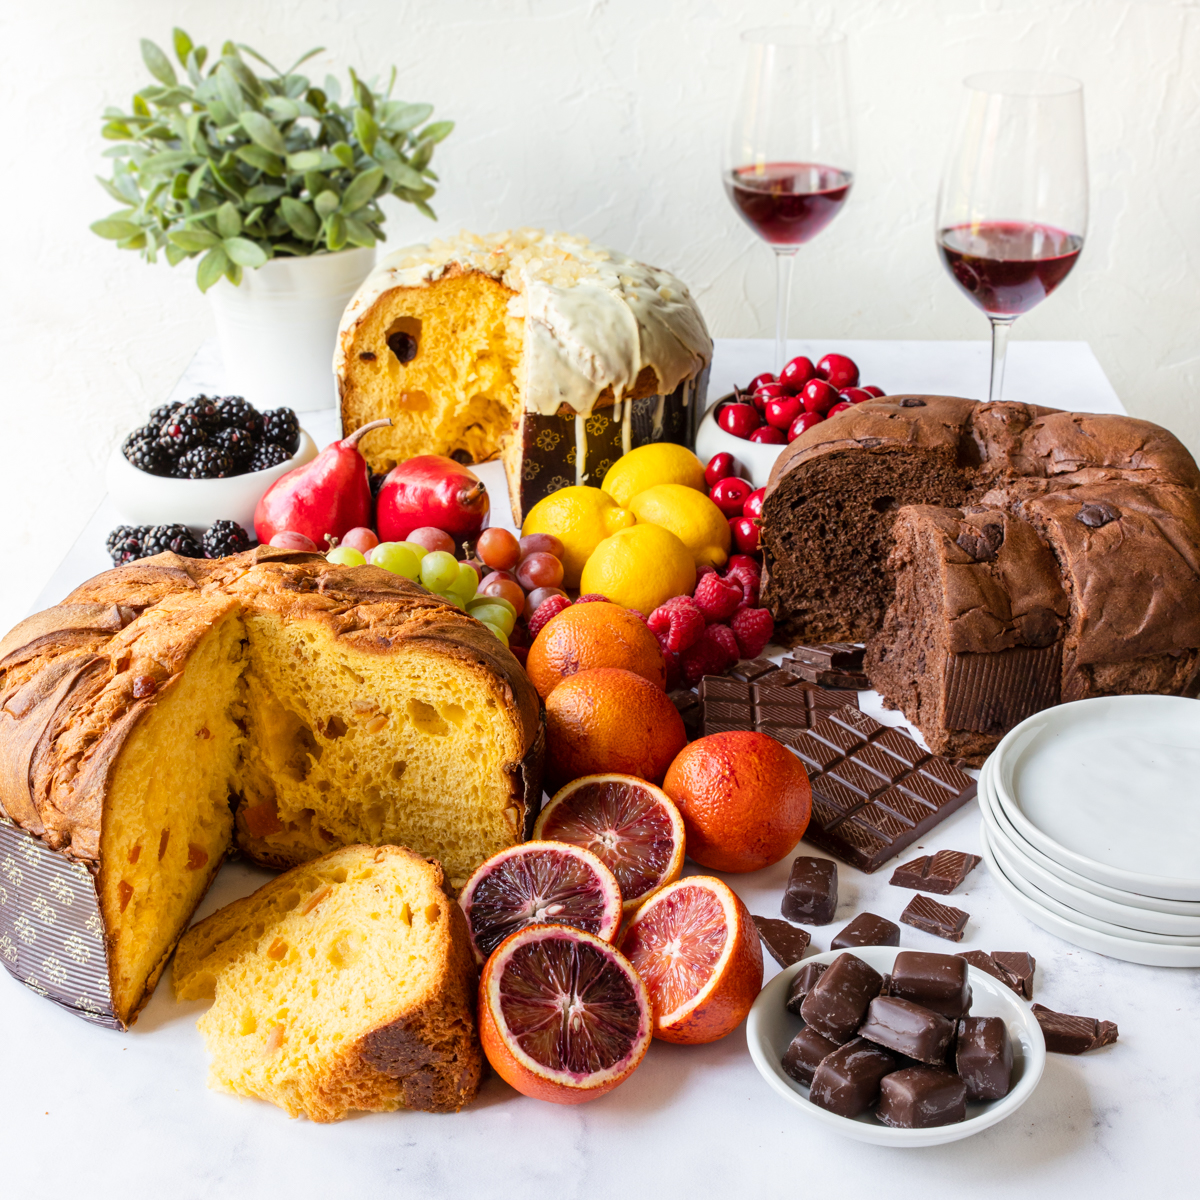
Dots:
pixel 604 118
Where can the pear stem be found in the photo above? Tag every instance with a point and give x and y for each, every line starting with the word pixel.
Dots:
pixel 353 439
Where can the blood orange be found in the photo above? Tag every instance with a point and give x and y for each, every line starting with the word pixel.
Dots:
pixel 696 948
pixel 547 883
pixel 628 824
pixel 562 1014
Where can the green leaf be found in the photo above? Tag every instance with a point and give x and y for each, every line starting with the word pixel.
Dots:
pixel 175 255
pixel 244 252
pixel 140 107
pixel 179 186
pixel 437 132
pixel 358 234
pixel 333 89
pixel 304 160
pixel 281 108
pixel 422 207
pixel 230 92
pixel 115 229
pixel 212 267
pixel 111 188
pixel 192 241
pixel 134 243
pixel 264 193
pixel 404 117
pixel 116 131
pixel 317 99
pixel 195 62
pixel 260 159
pixel 183 44
pixel 335 232
pixel 168 161
pixel 343 152
pixel 251 217
pixel 300 218
pixel 255 54
pixel 305 57
pixel 250 83
pixel 402 174
pixel 233 273
pixel 264 131
pixel 196 181
pixel 365 129
pixel 327 202
pixel 361 190
pixel 158 63
pixel 419 159
pixel 229 221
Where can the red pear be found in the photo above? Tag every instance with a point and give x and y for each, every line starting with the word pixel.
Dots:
pixel 431 490
pixel 330 495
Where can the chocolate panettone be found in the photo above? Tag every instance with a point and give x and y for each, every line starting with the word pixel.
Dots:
pixel 175 707
pixel 556 355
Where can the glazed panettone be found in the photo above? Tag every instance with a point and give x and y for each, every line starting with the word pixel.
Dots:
pixel 1114 502
pixel 174 707
pixel 346 983
pixel 551 353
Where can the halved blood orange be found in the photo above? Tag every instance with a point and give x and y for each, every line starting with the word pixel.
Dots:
pixel 547 883
pixel 696 948
pixel 563 1016
pixel 631 826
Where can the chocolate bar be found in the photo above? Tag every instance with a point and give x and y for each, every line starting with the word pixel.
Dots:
pixel 921 1098
pixel 688 705
pixel 939 919
pixel 831 656
pixel 1066 1034
pixel 907 1028
pixel 847 1081
pixel 750 669
pixel 824 677
pixel 1018 975
pixel 811 895
pixel 875 791
pixel 785 942
pixel 776 703
pixel 839 999
pixel 939 873
pixel 803 982
pixel 936 981
pixel 805 1053
pixel 867 930
pixel 983 1057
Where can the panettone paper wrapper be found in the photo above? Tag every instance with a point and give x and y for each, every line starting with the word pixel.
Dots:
pixel 51 933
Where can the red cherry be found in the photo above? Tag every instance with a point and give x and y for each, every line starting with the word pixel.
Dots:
pixel 729 495
pixel 818 396
pixel 720 466
pixel 744 531
pixel 854 395
pixel 841 371
pixel 804 422
pixel 781 413
pixel 771 391
pixel 754 503
pixel 797 373
pixel 759 380
pixel 741 420
pixel 768 434
pixel 759 401
pixel 837 408
pixel 875 391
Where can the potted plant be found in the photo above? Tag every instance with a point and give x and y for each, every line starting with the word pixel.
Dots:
pixel 274 184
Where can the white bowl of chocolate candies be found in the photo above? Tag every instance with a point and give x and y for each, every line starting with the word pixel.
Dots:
pixel 896 1047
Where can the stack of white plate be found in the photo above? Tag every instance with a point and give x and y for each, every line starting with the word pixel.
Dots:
pixel 1091 825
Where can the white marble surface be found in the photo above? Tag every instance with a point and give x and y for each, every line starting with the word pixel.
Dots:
pixel 129 1115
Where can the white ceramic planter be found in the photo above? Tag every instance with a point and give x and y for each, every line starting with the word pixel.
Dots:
pixel 278 329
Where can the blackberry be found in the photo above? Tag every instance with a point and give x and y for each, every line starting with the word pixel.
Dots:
pixel 126 543
pixel 268 454
pixel 163 411
pixel 177 538
pixel 280 425
pixel 238 444
pixel 236 413
pixel 178 434
pixel 208 461
pixel 142 449
pixel 224 537
pixel 204 409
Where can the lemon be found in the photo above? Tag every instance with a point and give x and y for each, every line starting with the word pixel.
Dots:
pixel 691 516
pixel 581 518
pixel 648 466
pixel 641 567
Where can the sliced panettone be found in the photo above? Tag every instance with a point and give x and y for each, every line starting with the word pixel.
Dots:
pixel 346 983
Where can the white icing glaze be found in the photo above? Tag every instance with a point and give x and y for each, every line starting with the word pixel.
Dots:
pixel 594 318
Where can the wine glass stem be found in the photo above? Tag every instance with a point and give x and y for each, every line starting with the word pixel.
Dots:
pixel 785 260
pixel 1000 328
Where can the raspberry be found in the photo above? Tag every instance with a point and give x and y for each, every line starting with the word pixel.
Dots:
pixel 713 654
pixel 753 628
pixel 717 598
pixel 743 570
pixel 546 610
pixel 704 569
pixel 592 596
pixel 677 624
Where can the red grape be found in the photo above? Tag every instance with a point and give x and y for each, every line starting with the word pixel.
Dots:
pixel 541 543
pixel 285 539
pixel 498 548
pixel 538 595
pixel 540 570
pixel 505 588
pixel 720 466
pixel 360 538
pixel 730 494
pixel 432 539
pixel 768 435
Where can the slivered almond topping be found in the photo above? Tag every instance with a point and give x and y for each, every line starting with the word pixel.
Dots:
pixel 315 899
pixel 163 839
pixel 135 853
pixel 277 949
pixel 124 892
pixel 197 857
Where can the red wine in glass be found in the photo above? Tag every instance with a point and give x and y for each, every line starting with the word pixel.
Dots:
pixel 788 203
pixel 1007 267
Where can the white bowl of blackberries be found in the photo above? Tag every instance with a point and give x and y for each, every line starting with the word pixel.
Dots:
pixel 203 460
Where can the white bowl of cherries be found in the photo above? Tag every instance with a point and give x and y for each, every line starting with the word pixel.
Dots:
pixel 755 423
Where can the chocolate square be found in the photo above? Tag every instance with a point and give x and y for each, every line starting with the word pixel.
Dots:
pixel 939 919
pixel 939 873
pixel 1066 1034
pixel 867 930
pixel 785 942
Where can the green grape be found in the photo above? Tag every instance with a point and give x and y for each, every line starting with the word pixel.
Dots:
pixel 346 556
pixel 475 603
pixel 439 571
pixel 500 634
pixel 416 548
pixel 465 586
pixel 398 558
pixel 450 598
pixel 495 614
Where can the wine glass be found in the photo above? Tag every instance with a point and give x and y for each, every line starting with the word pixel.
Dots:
pixel 1013 204
pixel 789 158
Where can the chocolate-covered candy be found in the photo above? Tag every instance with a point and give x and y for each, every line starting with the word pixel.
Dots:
pixel 907 1028
pixel 1066 1034
pixel 811 893
pixel 941 920
pixel 802 983
pixel 940 873
pixel 806 1052
pixel 785 942
pixel 984 1058
pixel 867 930
pixel 921 1098
pixel 847 1081
pixel 839 999
pixel 937 981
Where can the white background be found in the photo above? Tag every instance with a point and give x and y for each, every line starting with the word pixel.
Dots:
pixel 605 119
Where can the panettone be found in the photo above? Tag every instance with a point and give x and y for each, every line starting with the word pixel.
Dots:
pixel 346 983
pixel 324 705
pixel 554 354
